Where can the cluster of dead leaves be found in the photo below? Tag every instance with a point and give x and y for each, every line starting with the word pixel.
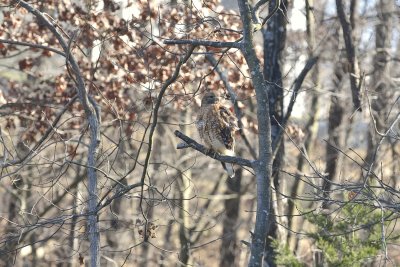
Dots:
pixel 123 61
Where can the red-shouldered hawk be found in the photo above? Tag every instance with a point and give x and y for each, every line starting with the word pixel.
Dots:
pixel 217 127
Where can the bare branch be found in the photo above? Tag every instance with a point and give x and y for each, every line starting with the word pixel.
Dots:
pixel 353 13
pixel 378 146
pixel 259 4
pixel 202 149
pixel 44 47
pixel 255 12
pixel 276 7
pixel 153 126
pixel 203 43
pixel 296 87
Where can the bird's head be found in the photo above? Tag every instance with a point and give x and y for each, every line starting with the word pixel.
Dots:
pixel 209 98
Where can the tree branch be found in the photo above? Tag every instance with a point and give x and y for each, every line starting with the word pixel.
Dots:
pixel 202 149
pixel 203 43
pixel 255 12
pixel 44 47
pixel 296 87
pixel 153 126
pixel 257 6
pixel 276 7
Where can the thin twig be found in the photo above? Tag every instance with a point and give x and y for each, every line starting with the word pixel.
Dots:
pixel 44 47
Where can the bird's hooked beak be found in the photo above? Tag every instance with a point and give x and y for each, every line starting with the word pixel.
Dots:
pixel 209 99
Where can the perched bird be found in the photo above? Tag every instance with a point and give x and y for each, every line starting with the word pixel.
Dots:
pixel 217 126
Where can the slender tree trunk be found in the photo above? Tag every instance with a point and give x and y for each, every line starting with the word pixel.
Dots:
pixel 380 77
pixel 146 248
pixel 147 251
pixel 348 25
pixel 112 238
pixel 229 250
pixel 274 42
pixel 167 240
pixel 335 135
pixel 19 207
pixel 185 192
pixel 262 166
pixel 335 125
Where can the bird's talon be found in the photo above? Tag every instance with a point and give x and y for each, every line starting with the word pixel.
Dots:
pixel 211 153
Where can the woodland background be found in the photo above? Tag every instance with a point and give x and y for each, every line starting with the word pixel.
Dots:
pixel 92 172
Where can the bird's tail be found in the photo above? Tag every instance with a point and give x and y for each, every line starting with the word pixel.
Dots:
pixel 229 169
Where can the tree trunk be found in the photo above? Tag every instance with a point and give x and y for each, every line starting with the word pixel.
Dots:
pixel 71 237
pixel 262 166
pixel 335 135
pixel 335 120
pixel 274 42
pixel 380 79
pixel 351 50
pixel 184 203
pixel 112 237
pixel 311 128
pixel 229 250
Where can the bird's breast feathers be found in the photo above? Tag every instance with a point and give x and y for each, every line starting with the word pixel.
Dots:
pixel 217 126
pixel 200 124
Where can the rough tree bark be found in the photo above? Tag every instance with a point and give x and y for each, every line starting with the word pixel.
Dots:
pixel 263 166
pixel 274 37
